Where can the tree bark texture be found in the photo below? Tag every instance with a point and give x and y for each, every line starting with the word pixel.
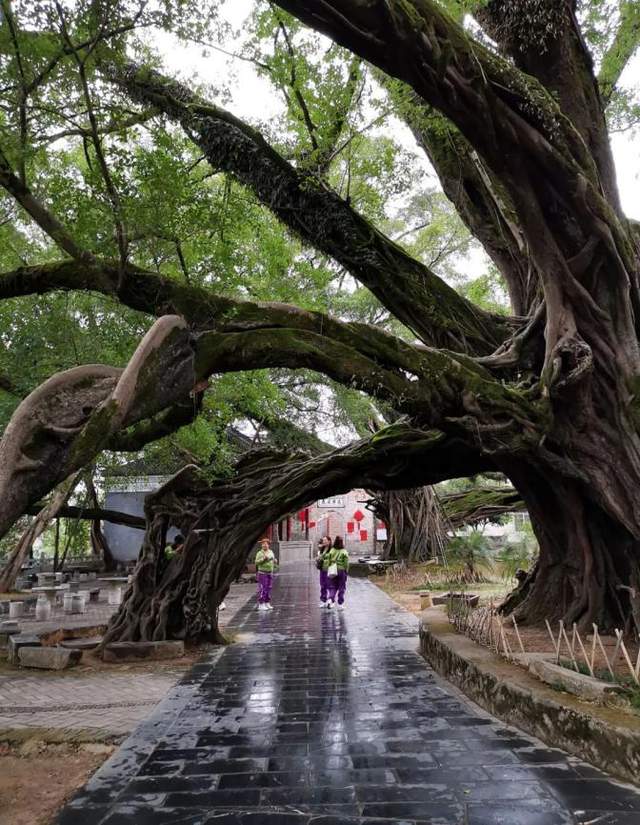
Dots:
pixel 417 526
pixel 549 397
pixel 223 521
pixel 541 137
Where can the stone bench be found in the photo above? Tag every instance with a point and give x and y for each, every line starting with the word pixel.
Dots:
pixel 82 643
pixel 134 651
pixel 7 629
pixel 472 599
pixel 19 641
pixel 49 658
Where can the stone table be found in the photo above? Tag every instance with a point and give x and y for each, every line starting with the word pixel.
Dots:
pixel 51 593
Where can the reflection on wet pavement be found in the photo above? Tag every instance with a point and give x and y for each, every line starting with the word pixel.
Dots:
pixel 317 717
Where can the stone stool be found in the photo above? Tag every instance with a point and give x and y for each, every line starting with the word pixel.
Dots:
pixel 16 610
pixel 76 603
pixel 426 600
pixel 43 609
pixel 114 596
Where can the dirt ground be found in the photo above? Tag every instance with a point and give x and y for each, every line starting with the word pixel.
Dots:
pixel 37 778
pixel 90 663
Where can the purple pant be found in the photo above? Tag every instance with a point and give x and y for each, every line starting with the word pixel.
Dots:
pixel 324 585
pixel 338 584
pixel 265 583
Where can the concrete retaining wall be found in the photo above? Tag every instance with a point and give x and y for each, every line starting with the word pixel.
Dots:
pixel 607 737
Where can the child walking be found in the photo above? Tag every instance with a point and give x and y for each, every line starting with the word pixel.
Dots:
pixel 266 565
pixel 339 558
pixel 322 563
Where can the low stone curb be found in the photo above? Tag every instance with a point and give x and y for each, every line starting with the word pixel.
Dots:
pixel 134 651
pixel 48 658
pixel 606 737
pixel 54 736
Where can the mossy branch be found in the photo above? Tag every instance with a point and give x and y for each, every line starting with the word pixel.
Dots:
pixel 414 294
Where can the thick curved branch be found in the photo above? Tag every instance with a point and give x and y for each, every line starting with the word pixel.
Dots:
pixel 543 38
pixel 414 294
pixel 201 307
pixel 67 421
pixel 40 214
pixel 71 511
pixel 221 521
pixel 484 206
pixel 620 52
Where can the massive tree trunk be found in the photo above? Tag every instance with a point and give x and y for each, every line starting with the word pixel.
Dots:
pixel 587 559
pixel 550 398
pixel 542 136
pixel 222 522
pixel 417 526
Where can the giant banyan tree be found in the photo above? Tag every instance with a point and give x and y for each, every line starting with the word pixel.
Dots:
pixel 513 121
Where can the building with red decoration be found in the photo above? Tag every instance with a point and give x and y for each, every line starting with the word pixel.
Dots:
pixel 344 515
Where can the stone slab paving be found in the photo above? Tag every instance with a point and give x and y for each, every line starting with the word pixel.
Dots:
pixel 110 704
pixel 318 717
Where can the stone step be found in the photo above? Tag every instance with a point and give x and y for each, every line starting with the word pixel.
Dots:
pixel 133 651
pixel 17 642
pixel 48 658
pixel 89 643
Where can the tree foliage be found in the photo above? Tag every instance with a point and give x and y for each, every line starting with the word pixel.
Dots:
pixel 314 253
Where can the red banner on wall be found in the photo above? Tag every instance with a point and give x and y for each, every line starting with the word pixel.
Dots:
pixel 363 535
pixel 312 524
pixel 350 527
pixel 358 515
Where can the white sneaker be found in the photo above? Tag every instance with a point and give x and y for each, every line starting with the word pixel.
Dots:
pixel 268 606
pixel 223 606
pixel 329 604
pixel 323 604
pixel 262 607
pixel 340 607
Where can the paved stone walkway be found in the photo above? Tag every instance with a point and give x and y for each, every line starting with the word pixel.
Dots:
pixel 99 704
pixel 324 718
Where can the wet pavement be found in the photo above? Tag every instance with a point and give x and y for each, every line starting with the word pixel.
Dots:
pixel 317 717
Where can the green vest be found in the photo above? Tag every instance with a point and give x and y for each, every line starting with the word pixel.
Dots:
pixel 265 561
pixel 339 558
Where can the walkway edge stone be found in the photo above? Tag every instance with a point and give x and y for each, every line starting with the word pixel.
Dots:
pixel 600 735
pixel 133 651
